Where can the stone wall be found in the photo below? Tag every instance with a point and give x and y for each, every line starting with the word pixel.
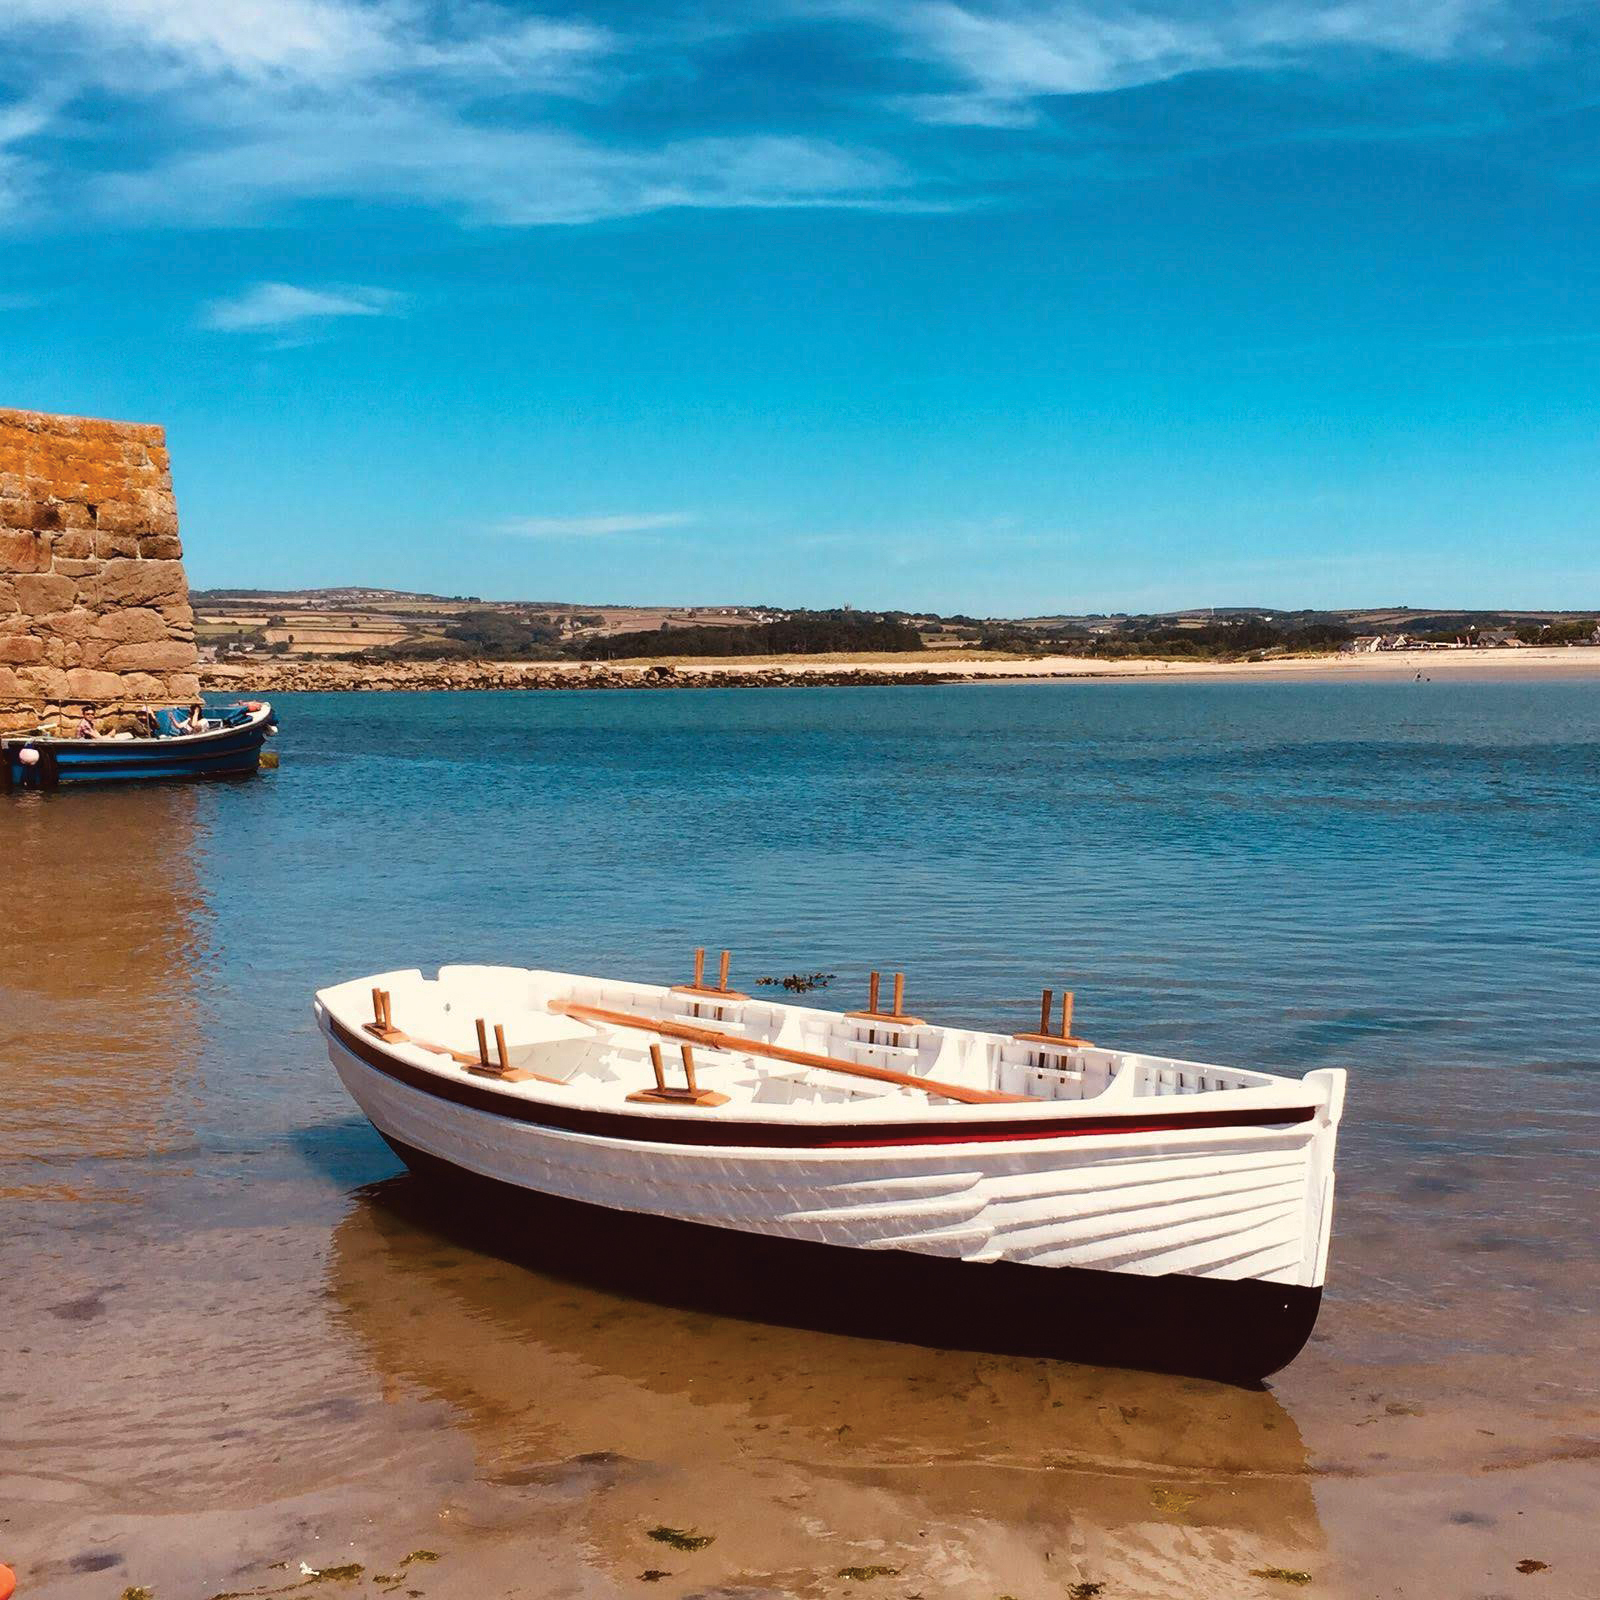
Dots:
pixel 94 603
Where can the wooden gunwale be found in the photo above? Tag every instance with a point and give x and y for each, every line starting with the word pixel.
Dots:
pixel 691 1126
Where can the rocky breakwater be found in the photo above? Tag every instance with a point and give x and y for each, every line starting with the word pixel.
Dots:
pixel 94 602
pixel 270 677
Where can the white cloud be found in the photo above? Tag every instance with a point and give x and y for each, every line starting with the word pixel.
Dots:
pixel 410 150
pixel 245 107
pixel 1011 52
pixel 273 305
pixel 207 112
pixel 594 527
pixel 306 39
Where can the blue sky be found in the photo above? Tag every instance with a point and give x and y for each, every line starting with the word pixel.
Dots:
pixel 1002 307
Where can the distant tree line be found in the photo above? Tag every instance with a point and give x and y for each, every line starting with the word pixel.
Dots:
pixel 804 634
pixel 1136 636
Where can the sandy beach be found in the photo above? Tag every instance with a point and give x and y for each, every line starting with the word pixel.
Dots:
pixel 269 675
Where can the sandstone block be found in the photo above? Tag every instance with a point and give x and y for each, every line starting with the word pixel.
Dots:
pixel 40 593
pixel 151 688
pixel 85 683
pixel 22 551
pixel 142 583
pixel 20 513
pixel 161 546
pixel 21 649
pixel 157 656
pixel 109 546
pixel 127 515
pixel 75 624
pixel 132 625
pixel 41 683
pixel 74 544
pixel 183 686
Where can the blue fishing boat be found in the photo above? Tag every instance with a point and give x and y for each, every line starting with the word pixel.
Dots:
pixel 226 742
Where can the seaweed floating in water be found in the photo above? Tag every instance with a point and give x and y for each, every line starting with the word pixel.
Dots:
pixel 420 1555
pixel 862 1574
pixel 653 1575
pixel 681 1538
pixel 801 982
pixel 1531 1565
pixel 1281 1574
pixel 1174 1502
pixel 136 1591
pixel 1085 1591
pixel 343 1574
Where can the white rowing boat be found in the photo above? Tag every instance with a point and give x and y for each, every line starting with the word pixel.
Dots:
pixel 1029 1191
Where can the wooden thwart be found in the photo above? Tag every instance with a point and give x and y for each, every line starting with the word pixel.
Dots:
pixel 892 1019
pixel 700 987
pixel 1044 1035
pixel 666 1094
pixel 714 1039
pixel 382 1024
pixel 382 1027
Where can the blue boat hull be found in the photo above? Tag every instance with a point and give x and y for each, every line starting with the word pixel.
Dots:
pixel 226 753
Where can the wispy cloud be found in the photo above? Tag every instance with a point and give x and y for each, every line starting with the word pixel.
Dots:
pixel 239 109
pixel 276 305
pixel 214 112
pixel 310 40
pixel 410 151
pixel 1006 54
pixel 594 527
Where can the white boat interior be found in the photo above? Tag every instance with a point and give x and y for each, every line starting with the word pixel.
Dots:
pixel 536 1034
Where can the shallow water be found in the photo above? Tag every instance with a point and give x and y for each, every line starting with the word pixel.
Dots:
pixel 248 1341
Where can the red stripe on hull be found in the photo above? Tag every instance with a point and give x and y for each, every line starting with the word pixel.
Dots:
pixel 682 1128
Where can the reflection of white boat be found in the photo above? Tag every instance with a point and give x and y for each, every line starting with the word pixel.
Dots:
pixel 1014 1475
pixel 1030 1191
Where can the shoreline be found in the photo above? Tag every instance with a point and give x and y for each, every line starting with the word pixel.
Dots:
pixel 1484 666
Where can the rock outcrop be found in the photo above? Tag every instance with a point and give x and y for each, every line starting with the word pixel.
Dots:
pixel 276 676
pixel 94 602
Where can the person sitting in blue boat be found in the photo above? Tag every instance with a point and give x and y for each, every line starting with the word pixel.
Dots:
pixel 86 728
pixel 170 723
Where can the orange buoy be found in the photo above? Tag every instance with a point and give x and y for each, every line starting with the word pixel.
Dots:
pixel 8 1582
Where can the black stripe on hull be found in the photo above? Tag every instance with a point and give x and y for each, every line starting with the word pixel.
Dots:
pixel 1204 1327
pixel 686 1127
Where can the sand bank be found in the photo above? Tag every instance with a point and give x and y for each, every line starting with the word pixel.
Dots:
pixel 933 667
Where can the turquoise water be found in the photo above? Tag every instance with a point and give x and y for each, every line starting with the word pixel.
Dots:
pixel 1402 879
pixel 1394 877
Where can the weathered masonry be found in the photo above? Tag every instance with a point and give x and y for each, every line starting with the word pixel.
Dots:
pixel 94 603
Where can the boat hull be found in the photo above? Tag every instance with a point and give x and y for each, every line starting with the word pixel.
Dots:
pixel 1238 1331
pixel 1160 1242
pixel 229 752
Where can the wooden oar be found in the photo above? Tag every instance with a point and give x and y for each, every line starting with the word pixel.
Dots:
pixel 740 1045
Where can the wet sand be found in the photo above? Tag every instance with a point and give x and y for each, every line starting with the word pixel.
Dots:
pixel 238 1345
